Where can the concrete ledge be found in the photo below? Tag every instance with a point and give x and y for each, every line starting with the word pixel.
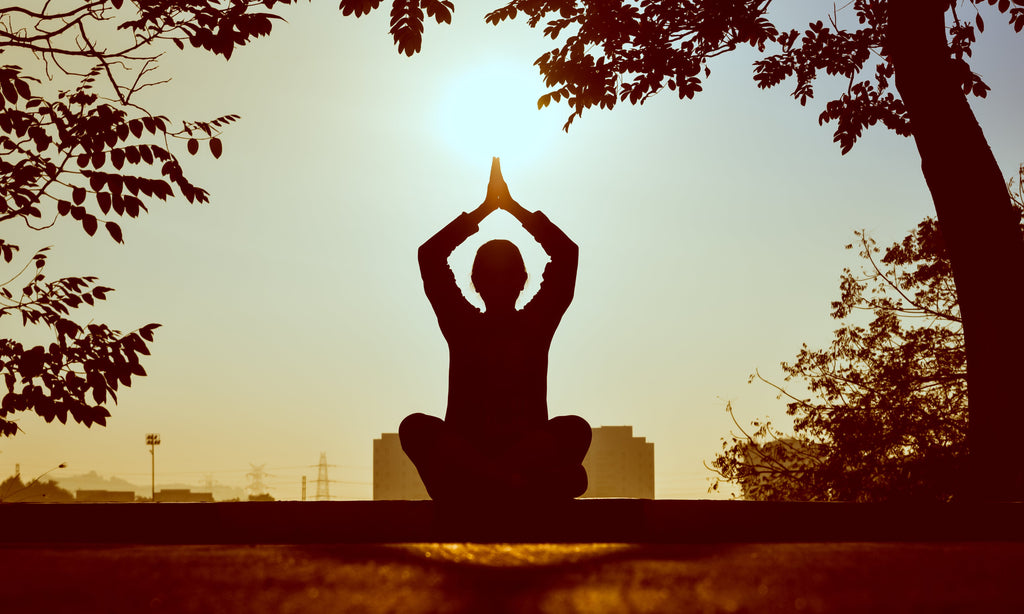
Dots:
pixel 581 520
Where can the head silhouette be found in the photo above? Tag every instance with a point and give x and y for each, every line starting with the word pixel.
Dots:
pixel 499 273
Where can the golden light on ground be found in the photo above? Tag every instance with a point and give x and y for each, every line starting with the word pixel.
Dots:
pixel 491 110
pixel 513 555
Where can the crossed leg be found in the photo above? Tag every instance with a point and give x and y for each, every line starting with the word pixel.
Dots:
pixel 546 462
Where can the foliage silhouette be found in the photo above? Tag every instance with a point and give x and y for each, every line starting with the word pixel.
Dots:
pixel 496 441
pixel 76 145
pixel 888 417
pixel 14 490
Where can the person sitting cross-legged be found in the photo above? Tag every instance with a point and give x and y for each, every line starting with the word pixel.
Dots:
pixel 496 440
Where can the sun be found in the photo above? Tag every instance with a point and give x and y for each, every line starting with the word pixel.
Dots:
pixel 490 109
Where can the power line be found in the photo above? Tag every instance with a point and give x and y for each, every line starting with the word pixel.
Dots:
pixel 204 472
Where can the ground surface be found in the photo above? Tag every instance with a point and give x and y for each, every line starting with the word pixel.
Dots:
pixel 496 578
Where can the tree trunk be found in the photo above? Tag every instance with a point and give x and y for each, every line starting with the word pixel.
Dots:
pixel 982 235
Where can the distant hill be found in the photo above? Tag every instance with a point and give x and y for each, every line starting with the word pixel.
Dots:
pixel 94 481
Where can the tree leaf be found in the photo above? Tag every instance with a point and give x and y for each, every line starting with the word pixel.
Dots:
pixel 99 390
pixel 115 231
pixel 114 184
pixel 103 199
pixel 22 87
pixel 147 331
pixel 89 223
pixel 216 148
pixel 9 91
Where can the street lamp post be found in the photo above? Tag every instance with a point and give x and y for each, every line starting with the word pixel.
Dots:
pixel 153 440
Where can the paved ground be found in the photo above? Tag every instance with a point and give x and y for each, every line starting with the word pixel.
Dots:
pixel 497 578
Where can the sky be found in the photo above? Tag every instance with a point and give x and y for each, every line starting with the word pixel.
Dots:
pixel 711 236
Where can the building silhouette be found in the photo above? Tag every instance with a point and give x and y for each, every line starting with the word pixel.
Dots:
pixel 618 465
pixel 182 495
pixel 104 496
pixel 394 475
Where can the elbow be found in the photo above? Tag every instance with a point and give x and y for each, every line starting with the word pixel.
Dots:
pixel 572 251
pixel 424 253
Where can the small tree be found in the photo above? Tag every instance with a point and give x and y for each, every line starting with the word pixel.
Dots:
pixel 888 417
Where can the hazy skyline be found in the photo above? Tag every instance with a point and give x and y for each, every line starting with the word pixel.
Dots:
pixel 711 236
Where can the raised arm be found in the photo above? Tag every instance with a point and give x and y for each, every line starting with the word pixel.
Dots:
pixel 555 242
pixel 438 280
pixel 443 243
pixel 559 282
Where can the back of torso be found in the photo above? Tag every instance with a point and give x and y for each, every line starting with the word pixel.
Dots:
pixel 497 379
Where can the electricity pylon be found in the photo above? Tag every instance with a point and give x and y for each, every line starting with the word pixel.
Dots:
pixel 323 491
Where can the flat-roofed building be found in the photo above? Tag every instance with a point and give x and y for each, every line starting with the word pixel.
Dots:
pixel 394 475
pixel 182 495
pixel 105 496
pixel 618 465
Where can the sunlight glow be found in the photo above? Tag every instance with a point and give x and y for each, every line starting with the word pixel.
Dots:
pixel 491 110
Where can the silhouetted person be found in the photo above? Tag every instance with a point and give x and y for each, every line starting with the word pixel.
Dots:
pixel 496 440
